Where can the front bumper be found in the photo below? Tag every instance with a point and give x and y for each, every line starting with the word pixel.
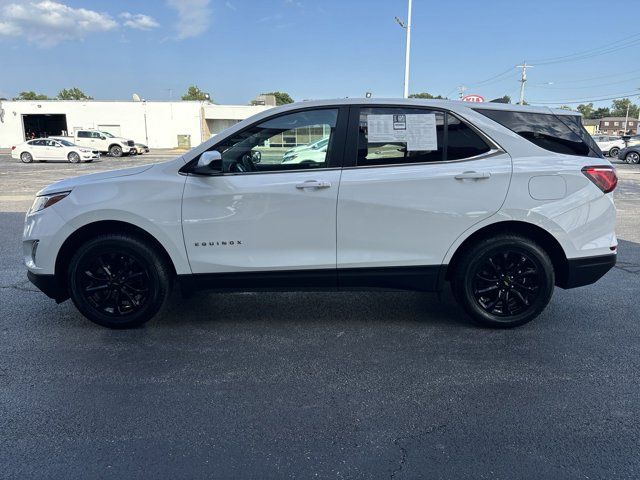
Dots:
pixel 586 270
pixel 49 285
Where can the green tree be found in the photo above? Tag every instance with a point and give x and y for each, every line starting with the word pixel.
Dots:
pixel 619 108
pixel 503 99
pixel 73 94
pixel 586 110
pixel 601 112
pixel 282 98
pixel 426 96
pixel 31 95
pixel 194 93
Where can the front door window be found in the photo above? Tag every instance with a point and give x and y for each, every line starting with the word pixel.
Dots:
pixel 296 141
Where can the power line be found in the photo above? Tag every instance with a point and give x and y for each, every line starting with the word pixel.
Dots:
pixel 601 50
pixel 551 87
pixel 580 80
pixel 477 84
pixel 585 100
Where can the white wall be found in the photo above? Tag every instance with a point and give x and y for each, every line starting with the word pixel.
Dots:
pixel 164 120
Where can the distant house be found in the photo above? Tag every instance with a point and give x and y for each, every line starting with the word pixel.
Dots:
pixel 591 125
pixel 615 126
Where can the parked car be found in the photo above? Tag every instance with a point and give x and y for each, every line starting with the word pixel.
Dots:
pixel 630 154
pixel 502 201
pixel 141 148
pixel 43 149
pixel 609 145
pixel 102 141
pixel 318 145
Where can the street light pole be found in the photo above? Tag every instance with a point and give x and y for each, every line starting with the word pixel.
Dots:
pixel 407 50
pixel 407 53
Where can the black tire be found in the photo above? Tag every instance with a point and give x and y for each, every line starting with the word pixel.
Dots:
pixel 115 150
pixel 26 157
pixel 504 281
pixel 118 281
pixel 73 157
pixel 613 153
pixel 632 158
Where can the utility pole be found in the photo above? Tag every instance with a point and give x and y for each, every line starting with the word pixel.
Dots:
pixel 461 90
pixel 626 118
pixel 407 51
pixel 523 79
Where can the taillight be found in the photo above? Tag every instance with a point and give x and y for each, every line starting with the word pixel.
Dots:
pixel 13 148
pixel 604 177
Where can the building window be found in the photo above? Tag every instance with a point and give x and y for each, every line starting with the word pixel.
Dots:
pixel 616 124
pixel 606 124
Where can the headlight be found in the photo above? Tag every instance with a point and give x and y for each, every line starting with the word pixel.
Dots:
pixel 44 201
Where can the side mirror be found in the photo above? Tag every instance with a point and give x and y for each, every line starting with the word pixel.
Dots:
pixel 209 162
pixel 103 138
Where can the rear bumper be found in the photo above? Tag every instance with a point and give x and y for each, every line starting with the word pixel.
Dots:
pixel 586 270
pixel 49 285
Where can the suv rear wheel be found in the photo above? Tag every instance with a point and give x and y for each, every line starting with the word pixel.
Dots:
pixel 613 153
pixel 118 281
pixel 504 281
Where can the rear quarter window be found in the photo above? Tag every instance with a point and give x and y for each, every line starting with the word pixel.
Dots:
pixel 556 133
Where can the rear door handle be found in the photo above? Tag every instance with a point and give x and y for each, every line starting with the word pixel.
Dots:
pixel 472 175
pixel 313 184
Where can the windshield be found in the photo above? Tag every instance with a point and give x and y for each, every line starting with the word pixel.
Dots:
pixel 108 135
pixel 66 143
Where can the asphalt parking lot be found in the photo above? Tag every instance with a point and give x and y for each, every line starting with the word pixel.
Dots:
pixel 317 385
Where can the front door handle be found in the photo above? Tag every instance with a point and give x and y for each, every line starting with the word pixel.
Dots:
pixel 472 175
pixel 313 184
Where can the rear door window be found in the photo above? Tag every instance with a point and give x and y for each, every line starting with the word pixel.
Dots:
pixel 556 133
pixel 401 135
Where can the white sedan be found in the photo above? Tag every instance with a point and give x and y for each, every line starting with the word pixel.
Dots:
pixel 42 149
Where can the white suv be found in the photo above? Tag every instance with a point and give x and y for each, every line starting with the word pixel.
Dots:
pixel 504 202
pixel 609 145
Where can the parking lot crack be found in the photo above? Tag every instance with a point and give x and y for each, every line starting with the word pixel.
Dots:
pixel 628 267
pixel 23 286
pixel 404 452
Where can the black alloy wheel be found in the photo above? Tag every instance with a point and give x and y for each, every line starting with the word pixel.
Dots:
pixel 504 281
pixel 114 283
pixel 507 283
pixel 613 153
pixel 118 281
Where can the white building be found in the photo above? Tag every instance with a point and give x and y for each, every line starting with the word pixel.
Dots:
pixel 156 124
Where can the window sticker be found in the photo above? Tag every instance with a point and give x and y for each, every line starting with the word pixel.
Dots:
pixel 418 131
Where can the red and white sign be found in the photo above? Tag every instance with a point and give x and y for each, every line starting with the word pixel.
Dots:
pixel 473 98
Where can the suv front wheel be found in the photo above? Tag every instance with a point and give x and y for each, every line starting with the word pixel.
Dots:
pixel 118 281
pixel 504 281
pixel 115 151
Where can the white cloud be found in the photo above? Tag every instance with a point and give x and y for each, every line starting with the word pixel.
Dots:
pixel 193 17
pixel 47 23
pixel 139 21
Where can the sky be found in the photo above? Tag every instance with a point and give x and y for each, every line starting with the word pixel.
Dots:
pixel 312 49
